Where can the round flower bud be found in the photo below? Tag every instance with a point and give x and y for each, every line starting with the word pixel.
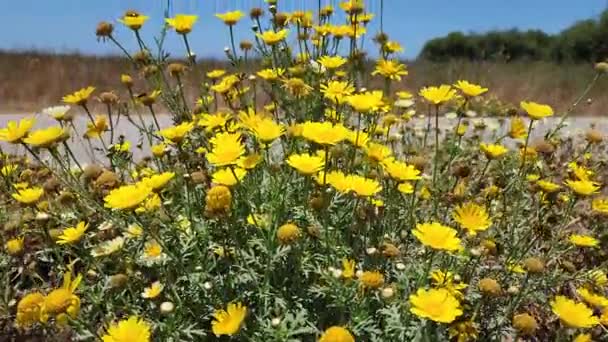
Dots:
pixel 601 67
pixel 275 321
pixel 218 201
pixel 534 265
pixel 490 287
pixel 166 308
pixel 288 233
pixel 126 80
pixel 207 285
pixel 14 246
pixel 388 292
pixel 118 280
pixel 525 324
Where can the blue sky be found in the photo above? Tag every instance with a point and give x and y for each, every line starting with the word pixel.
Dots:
pixel 68 25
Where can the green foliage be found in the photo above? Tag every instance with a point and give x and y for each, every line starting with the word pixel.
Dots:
pixel 585 41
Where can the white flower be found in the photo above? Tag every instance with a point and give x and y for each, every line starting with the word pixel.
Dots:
pixel 56 112
pixel 108 247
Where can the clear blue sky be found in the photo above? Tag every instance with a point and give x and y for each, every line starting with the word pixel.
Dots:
pixel 69 25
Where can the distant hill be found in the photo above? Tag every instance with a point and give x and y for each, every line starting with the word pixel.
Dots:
pixel 584 41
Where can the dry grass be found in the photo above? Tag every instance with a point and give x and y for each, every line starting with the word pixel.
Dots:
pixel 32 80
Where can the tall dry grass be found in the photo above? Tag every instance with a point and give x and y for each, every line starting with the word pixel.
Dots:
pixel 32 80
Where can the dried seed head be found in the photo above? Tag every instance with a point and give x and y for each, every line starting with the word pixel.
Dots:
pixel 246 45
pixel 534 265
pixel 256 12
pixel 593 136
pixel 104 29
pixel 176 69
pixel 490 287
pixel 525 324
pixel 108 97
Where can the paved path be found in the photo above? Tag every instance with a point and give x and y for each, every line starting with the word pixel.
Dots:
pixel 83 151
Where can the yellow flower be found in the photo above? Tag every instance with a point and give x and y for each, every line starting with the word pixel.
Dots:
pixel 362 186
pixel 271 74
pixel 377 152
pixel 226 176
pixel 28 195
pixel 230 18
pixel 435 304
pixel 158 182
pixel 121 147
pixel 182 23
pixel 367 102
pixel 437 236
pixel 215 74
pixel 212 121
pixel 108 247
pixel 493 151
pixel 392 47
pixel 438 95
pixel 446 281
pixel 28 309
pixel 336 179
pixel 357 138
pixel 272 38
pixel 46 137
pixel 371 279
pixel 267 130
pixel 259 220
pixel 14 246
pixel 472 217
pixel 158 150
pixel 600 205
pixel 249 162
pixel 96 128
pixel 153 291
pixel 226 84
pixel 536 111
pixel 352 6
pixel 133 329
pixel 337 91
pixel 133 20
pixel 324 133
pixel 62 302
pixel 583 187
pixel 176 134
pixel 470 89
pixel 518 129
pixel 127 197
pixel 390 69
pixel 400 171
pixel 15 131
pixel 547 186
pixel 583 338
pixel 79 97
pixel 584 240
pixel 591 298
pixel 229 321
pixel 348 268
pixel 8 169
pixel 288 233
pixel 405 188
pixel 227 149
pixel 573 314
pixel 306 164
pixel 332 62
pixel 72 235
pixel 336 334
